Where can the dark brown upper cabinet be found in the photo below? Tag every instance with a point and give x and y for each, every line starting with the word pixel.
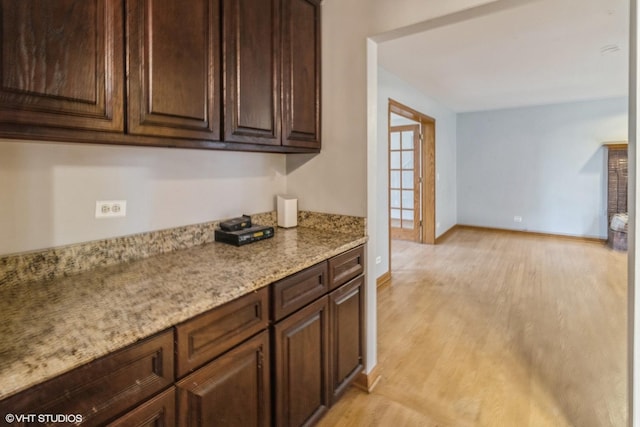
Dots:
pixel 240 75
pixel 252 71
pixel 301 73
pixel 173 68
pixel 62 64
pixel 272 72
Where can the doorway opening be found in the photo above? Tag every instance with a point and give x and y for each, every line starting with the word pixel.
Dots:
pixel 412 176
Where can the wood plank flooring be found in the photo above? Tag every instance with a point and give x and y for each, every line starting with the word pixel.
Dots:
pixel 498 329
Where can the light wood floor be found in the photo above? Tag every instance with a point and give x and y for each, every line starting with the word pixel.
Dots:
pixel 498 329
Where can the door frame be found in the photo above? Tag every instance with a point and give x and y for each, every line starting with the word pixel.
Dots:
pixel 428 166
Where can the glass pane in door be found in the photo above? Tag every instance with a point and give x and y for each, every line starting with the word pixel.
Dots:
pixel 395 199
pixel 407 179
pixel 395 180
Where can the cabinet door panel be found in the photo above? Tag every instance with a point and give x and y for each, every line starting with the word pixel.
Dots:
pixel 62 63
pixel 301 73
pixel 302 365
pixel 252 71
pixel 173 74
pixel 233 390
pixel 347 332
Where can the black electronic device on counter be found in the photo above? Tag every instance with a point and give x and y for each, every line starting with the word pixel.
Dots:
pixel 235 224
pixel 244 236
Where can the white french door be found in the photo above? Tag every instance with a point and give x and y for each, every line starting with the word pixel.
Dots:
pixel 404 182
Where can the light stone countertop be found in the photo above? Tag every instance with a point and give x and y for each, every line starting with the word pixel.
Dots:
pixel 50 327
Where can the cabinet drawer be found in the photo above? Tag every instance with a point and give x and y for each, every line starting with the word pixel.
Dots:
pixel 103 388
pixel 211 334
pixel 346 266
pixel 294 292
pixel 159 411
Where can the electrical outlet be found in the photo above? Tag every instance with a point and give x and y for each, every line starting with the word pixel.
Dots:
pixel 378 259
pixel 111 208
pixel 517 218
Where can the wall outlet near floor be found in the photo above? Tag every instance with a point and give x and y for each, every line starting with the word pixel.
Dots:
pixel 517 218
pixel 378 259
pixel 111 208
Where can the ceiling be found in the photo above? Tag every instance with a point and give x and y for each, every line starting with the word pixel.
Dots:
pixel 529 52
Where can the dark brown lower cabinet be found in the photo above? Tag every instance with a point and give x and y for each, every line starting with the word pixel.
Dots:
pixel 232 390
pixel 301 354
pixel 346 310
pixel 101 390
pixel 157 412
pixel 224 361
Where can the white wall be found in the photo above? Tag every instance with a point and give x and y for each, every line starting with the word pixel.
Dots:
pixel 390 15
pixel 391 86
pixel 327 182
pixel 334 181
pixel 48 191
pixel 545 164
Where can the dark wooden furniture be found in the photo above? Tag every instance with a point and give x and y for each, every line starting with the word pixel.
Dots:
pixel 173 53
pixel 346 310
pixel 272 72
pixel 345 267
pixel 231 368
pixel 220 74
pixel 233 390
pixel 302 368
pixel 62 64
pixel 301 73
pixel 318 337
pixel 159 411
pixel 346 302
pixel 298 290
pixel 205 337
pixel 104 388
pixel 252 71
pixel 617 189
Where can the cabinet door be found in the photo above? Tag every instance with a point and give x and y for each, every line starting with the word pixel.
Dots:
pixel 62 63
pixel 173 68
pixel 347 334
pixel 301 73
pixel 157 412
pixel 233 390
pixel 252 71
pixel 302 365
